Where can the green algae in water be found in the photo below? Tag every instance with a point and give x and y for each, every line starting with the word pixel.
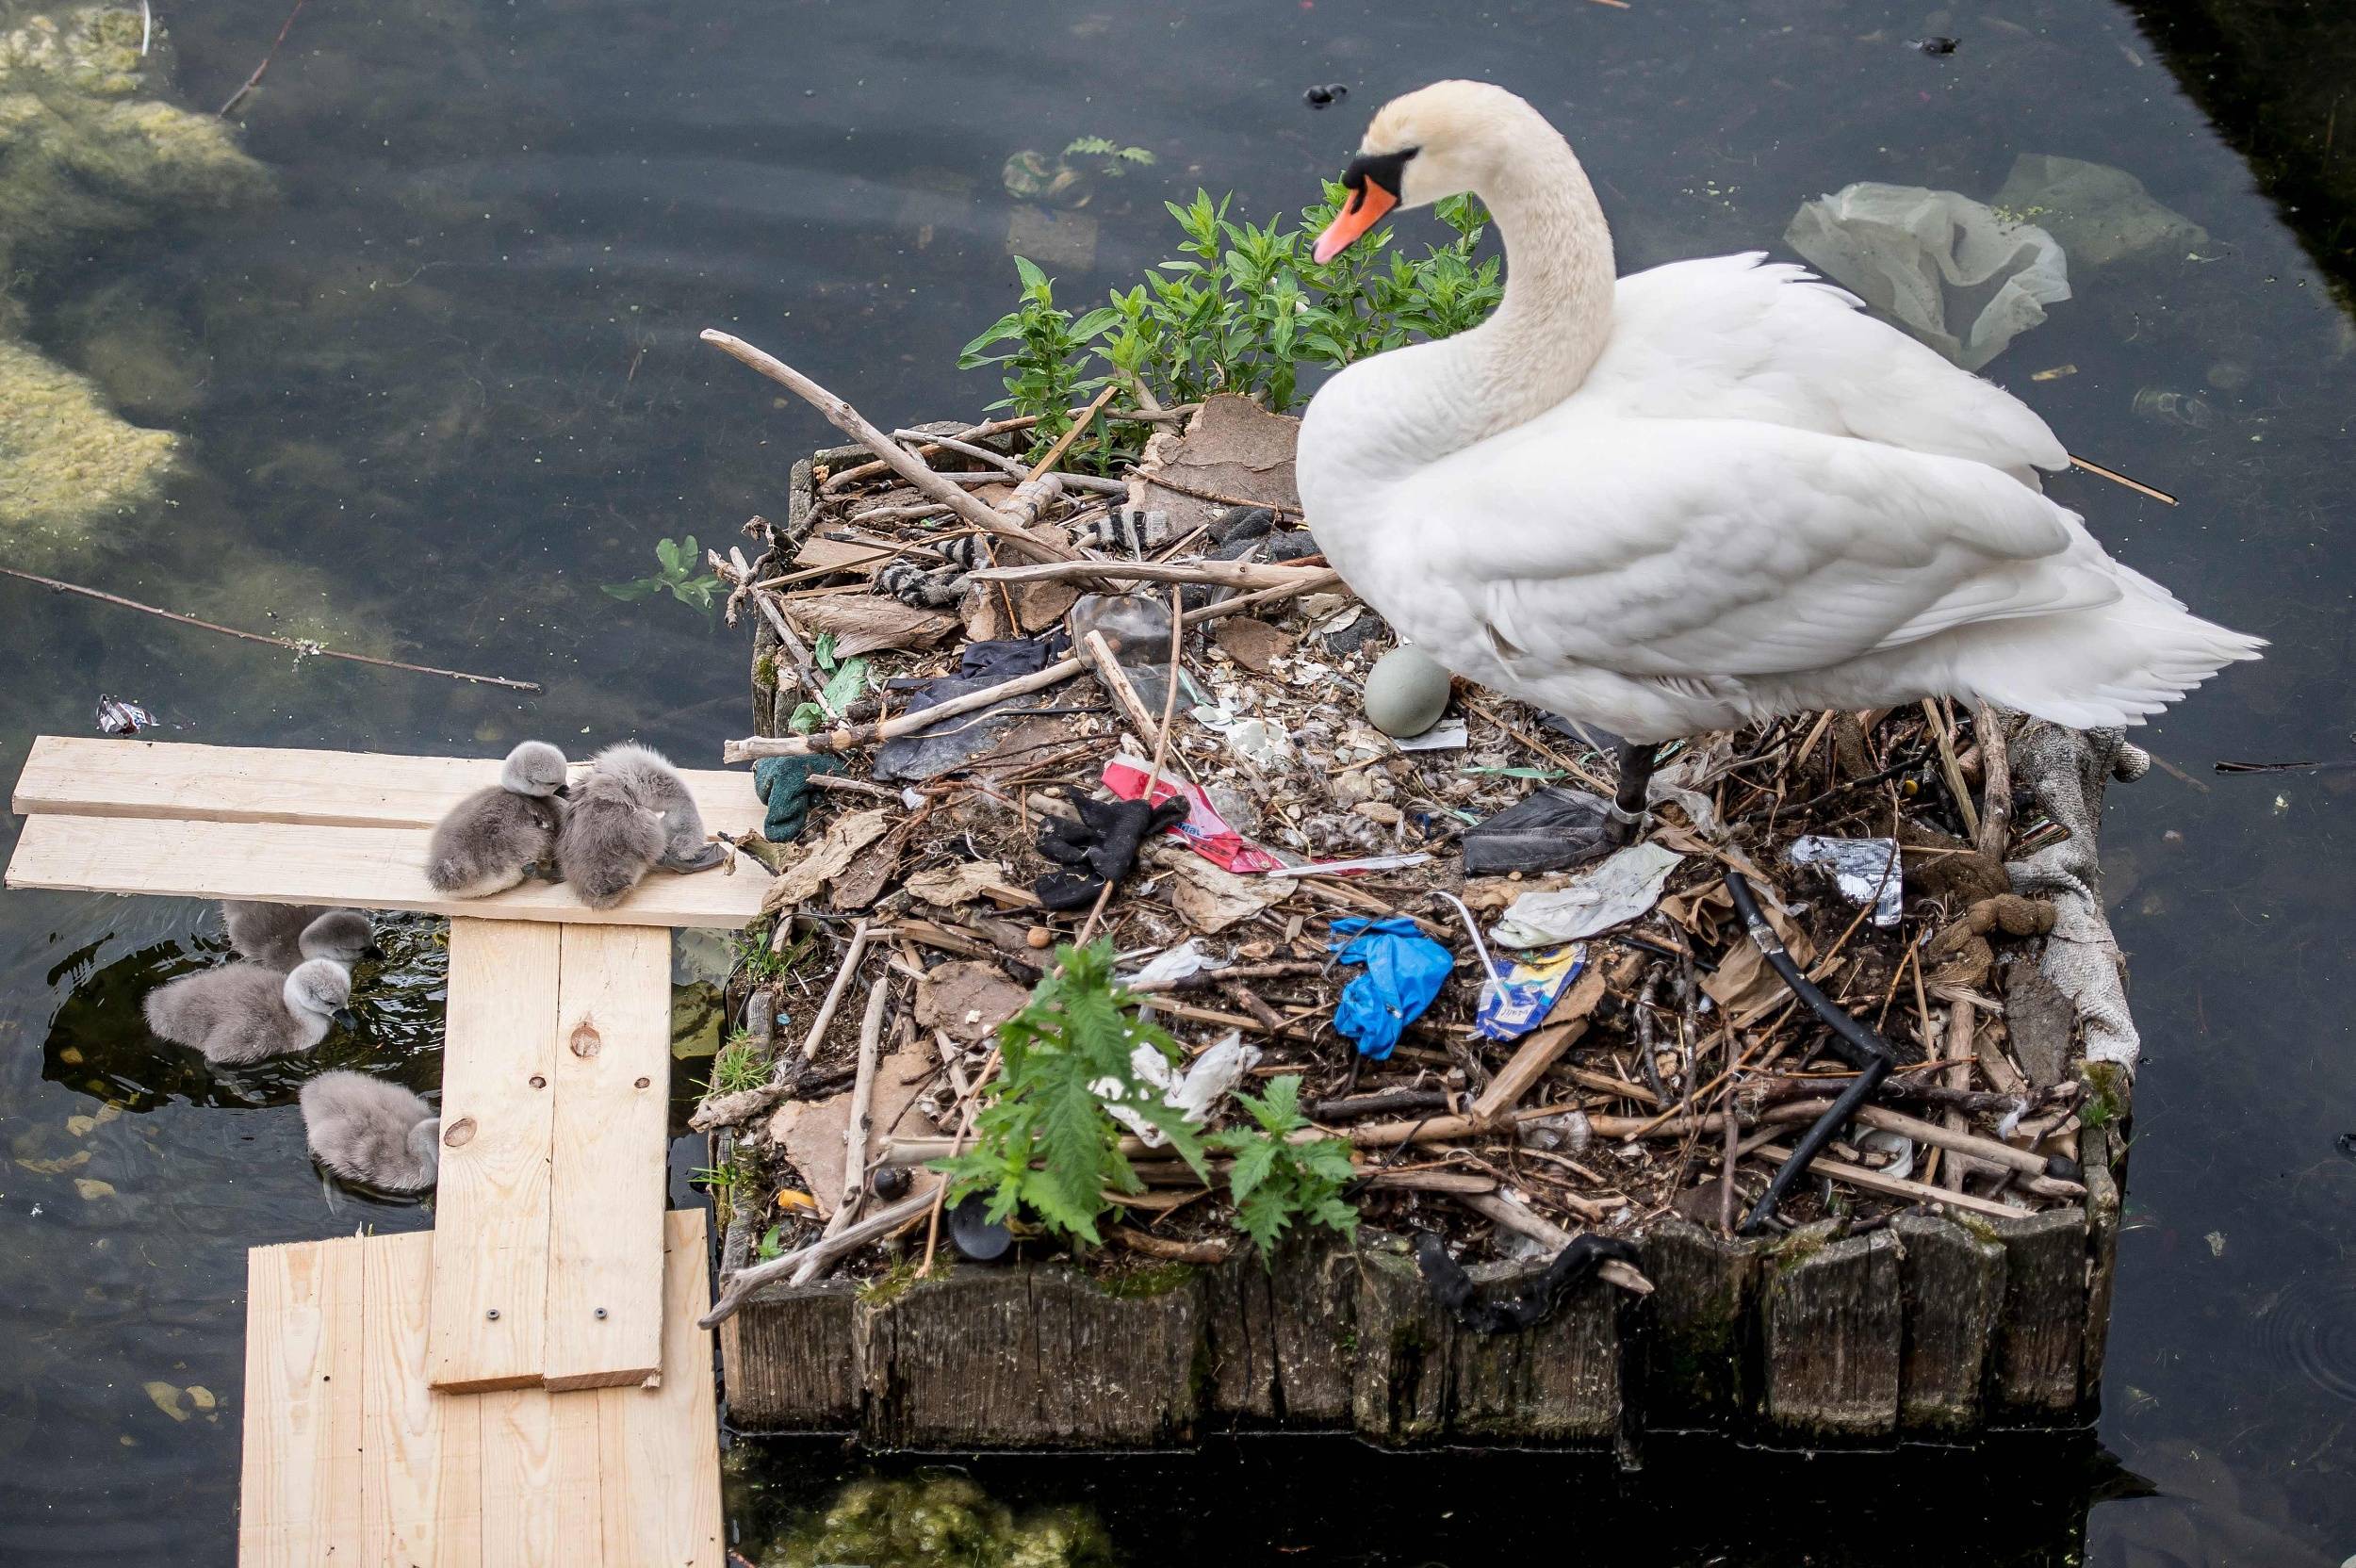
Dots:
pixel 82 155
pixel 941 1521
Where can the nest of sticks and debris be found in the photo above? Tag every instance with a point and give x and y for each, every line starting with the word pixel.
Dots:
pixel 1640 1056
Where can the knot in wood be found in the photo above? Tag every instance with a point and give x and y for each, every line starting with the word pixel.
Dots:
pixel 459 1133
pixel 586 1041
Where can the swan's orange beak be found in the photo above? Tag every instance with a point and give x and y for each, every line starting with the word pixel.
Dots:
pixel 1368 204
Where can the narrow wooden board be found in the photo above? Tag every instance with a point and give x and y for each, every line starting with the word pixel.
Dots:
pixel 88 776
pixel 421 1484
pixel 612 1077
pixel 366 868
pixel 662 1441
pixel 300 1488
pixel 491 1207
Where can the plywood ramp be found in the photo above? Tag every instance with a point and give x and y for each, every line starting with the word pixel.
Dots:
pixel 350 1457
pixel 82 777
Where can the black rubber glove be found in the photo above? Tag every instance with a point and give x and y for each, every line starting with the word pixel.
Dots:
pixel 1101 846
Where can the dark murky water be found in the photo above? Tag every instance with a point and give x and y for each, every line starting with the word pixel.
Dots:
pixel 449 387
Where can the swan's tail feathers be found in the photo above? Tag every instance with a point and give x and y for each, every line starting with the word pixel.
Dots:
pixel 2103 667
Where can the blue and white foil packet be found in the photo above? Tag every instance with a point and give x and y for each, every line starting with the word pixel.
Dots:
pixel 1517 1000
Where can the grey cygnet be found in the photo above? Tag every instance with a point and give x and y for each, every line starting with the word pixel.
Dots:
pixel 631 814
pixel 494 838
pixel 242 1012
pixel 280 936
pixel 372 1132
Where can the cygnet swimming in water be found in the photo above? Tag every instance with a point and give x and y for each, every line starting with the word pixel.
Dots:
pixel 372 1132
pixel 243 1012
pixel 631 814
pixel 496 836
pixel 280 936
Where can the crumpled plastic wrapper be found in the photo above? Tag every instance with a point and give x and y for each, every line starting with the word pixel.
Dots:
pixel 1949 268
pixel 1865 870
pixel 1617 890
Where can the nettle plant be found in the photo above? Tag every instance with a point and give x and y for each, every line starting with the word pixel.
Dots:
pixel 1046 1149
pixel 1242 309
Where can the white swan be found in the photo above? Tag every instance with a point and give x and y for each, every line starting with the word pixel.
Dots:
pixel 1710 493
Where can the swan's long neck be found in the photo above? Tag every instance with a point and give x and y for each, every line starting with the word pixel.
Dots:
pixel 1412 406
pixel 1559 283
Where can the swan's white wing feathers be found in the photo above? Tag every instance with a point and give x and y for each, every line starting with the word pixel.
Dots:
pixel 1737 337
pixel 1574 541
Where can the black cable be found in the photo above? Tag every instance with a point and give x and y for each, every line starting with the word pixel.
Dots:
pixel 1853 1041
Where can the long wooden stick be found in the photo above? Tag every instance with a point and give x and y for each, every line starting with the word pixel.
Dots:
pixel 1063 443
pixel 1893 1187
pixel 308 649
pixel 903 463
pixel 822 1251
pixel 817 1036
pixel 1504 1208
pixel 900 723
pixel 1221 574
pixel 855 1130
pixel 1987 726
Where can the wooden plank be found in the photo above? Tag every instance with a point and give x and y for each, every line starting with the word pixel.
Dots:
pixel 491 1208
pixel 613 1075
pixel 542 1480
pixel 368 867
pixel 420 1499
pixel 300 1488
pixel 2041 1333
pixel 90 776
pixel 661 1446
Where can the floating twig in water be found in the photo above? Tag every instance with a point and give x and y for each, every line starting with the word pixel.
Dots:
pixel 307 649
pixel 255 81
pixel 2117 478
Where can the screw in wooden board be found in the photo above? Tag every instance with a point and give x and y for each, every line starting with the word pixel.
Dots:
pixel 492 1314
pixel 600 1315
pixel 644 1082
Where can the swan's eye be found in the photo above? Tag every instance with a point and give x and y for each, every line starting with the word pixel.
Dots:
pixel 1386 171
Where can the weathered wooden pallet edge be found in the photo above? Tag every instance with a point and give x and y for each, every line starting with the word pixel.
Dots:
pixel 1808 1339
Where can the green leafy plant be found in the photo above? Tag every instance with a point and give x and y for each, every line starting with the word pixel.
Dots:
pixel 679 575
pixel 847 679
pixel 771 1244
pixel 1043 1141
pixel 1275 1180
pixel 1043 369
pixel 1243 309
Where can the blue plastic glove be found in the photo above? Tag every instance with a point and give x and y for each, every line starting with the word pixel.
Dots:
pixel 1405 969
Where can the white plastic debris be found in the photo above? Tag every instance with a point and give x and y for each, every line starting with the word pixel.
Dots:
pixel 1955 272
pixel 1565 1133
pixel 1899 1147
pixel 1447 735
pixel 1195 1093
pixel 1865 870
pixel 1186 959
pixel 1616 891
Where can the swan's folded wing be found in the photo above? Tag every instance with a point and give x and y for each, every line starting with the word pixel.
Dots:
pixel 1738 337
pixel 1711 549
